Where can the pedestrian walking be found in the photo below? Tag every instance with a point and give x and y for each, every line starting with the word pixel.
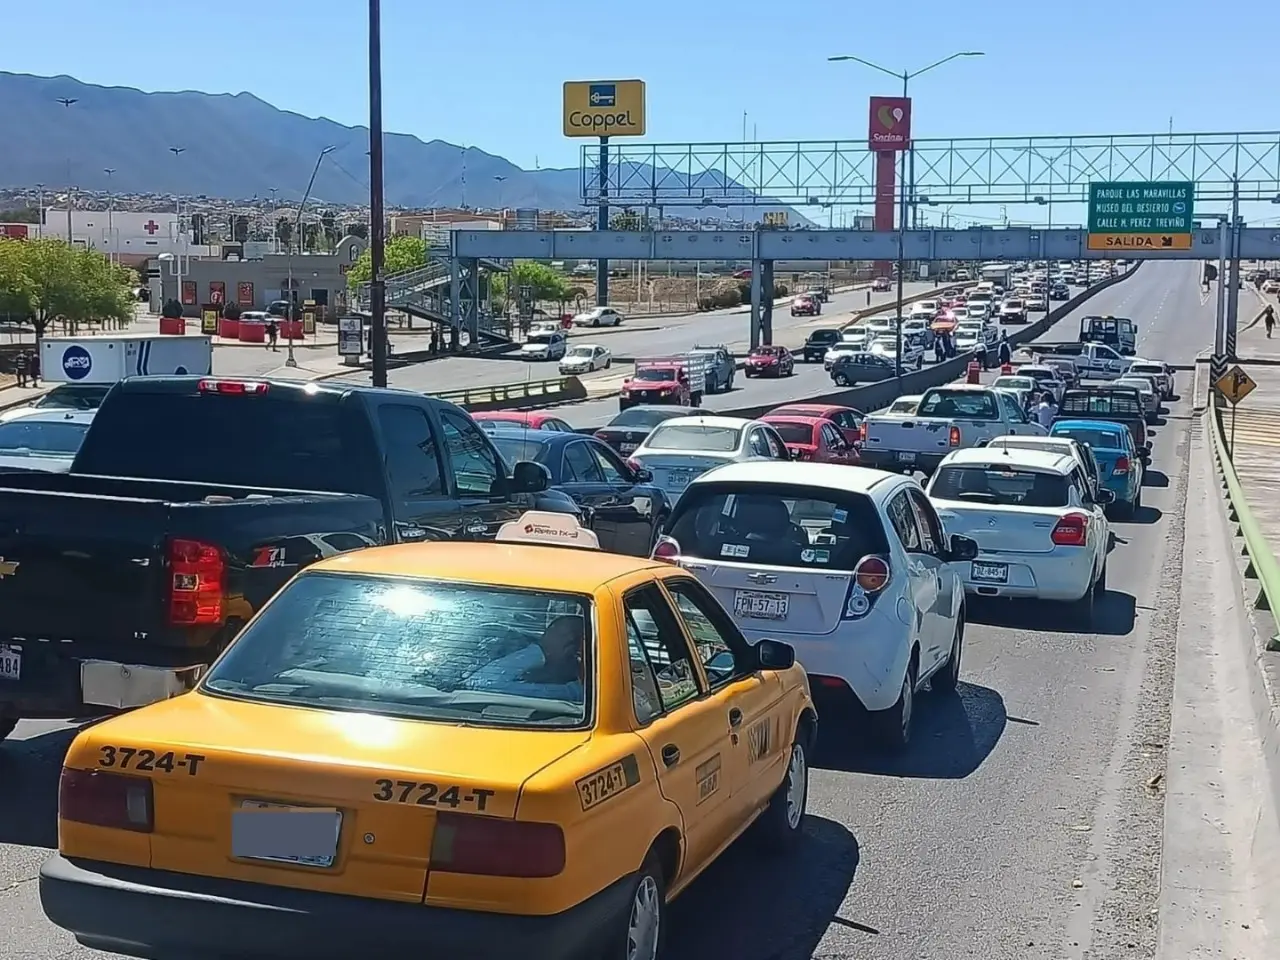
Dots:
pixel 273 335
pixel 1269 319
pixel 1046 410
pixel 33 367
pixel 1005 351
pixel 20 367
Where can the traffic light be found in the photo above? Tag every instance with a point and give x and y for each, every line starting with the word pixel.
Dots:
pixel 1210 273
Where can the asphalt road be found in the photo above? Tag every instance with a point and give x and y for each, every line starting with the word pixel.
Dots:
pixel 1023 824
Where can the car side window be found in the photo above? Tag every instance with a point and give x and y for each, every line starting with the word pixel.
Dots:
pixel 609 464
pixel 758 444
pixel 1012 409
pixel 833 436
pixel 475 464
pixel 903 519
pixel 777 449
pixel 579 465
pixel 412 454
pixel 654 632
pixel 709 628
pixel 933 540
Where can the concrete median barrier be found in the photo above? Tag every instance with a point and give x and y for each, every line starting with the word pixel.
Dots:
pixel 528 395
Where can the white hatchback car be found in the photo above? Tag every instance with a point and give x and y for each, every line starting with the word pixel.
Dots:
pixel 683 448
pixel 1041 532
pixel 850 565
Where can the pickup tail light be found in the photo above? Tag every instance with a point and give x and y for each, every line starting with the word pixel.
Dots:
pixel 251 388
pixel 491 847
pixel 1121 468
pixel 953 436
pixel 1071 530
pixel 871 573
pixel 103 799
pixel 667 549
pixel 197 591
pixel 862 432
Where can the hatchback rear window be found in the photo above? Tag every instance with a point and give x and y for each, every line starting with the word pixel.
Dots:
pixel 793 432
pixel 690 436
pixel 784 526
pixel 1006 486
pixel 423 649
pixel 1098 439
pixel 644 417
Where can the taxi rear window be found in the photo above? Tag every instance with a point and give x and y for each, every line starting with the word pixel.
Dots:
pixel 1007 486
pixel 785 526
pixel 416 648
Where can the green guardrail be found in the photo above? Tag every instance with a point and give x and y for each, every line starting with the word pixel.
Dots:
pixel 1262 561
pixel 502 392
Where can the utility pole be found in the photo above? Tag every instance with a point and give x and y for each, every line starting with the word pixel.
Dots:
pixel 67 103
pixel 291 361
pixel 377 225
pixel 113 252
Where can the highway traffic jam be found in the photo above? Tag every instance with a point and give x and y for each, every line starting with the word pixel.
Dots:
pixel 504 684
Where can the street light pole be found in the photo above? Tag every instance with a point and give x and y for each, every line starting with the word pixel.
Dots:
pixel 377 225
pixel 67 103
pixel 113 254
pixel 904 198
pixel 179 237
pixel 291 361
pixel 40 225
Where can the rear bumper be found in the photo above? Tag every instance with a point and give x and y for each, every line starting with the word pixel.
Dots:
pixel 890 460
pixel 54 685
pixel 1064 576
pixel 157 914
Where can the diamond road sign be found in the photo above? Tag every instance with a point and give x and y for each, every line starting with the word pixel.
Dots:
pixel 1136 214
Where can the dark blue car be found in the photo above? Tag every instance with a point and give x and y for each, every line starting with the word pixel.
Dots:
pixel 627 512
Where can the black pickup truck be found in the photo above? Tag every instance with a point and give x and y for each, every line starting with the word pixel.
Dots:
pixel 1114 404
pixel 192 500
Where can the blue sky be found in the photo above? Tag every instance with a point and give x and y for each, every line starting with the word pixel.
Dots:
pixel 489 75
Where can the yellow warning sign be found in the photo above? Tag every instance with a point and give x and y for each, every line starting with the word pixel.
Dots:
pixel 1139 241
pixel 1235 385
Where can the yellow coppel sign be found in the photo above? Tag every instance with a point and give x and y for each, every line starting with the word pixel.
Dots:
pixel 604 108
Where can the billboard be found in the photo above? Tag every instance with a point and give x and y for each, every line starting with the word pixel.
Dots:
pixel 604 108
pixel 889 125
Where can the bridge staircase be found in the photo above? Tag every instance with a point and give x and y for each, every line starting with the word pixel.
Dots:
pixel 424 292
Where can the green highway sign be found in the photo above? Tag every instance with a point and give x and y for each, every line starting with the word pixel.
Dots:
pixel 1158 208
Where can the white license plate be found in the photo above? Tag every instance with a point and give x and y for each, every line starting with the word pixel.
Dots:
pixel 628 447
pixel 761 606
pixel 990 572
pixel 906 457
pixel 307 836
pixel 680 478
pixel 10 663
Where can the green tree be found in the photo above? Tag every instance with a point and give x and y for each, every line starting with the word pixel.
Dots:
pixel 284 231
pixel 544 282
pixel 628 219
pixel 47 281
pixel 27 214
pixel 402 253
pixel 360 230
pixel 17 292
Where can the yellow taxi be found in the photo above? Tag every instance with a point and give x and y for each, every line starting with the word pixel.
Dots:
pixel 515 749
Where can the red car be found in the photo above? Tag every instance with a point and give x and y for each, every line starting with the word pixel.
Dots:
pixel 814 439
pixel 770 362
pixel 847 420
pixel 529 419
pixel 805 307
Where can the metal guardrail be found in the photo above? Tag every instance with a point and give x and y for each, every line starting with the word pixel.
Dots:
pixel 1261 558
pixel 502 392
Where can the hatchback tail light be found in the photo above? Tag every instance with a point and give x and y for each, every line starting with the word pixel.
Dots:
pixel 104 799
pixel 871 574
pixel 1072 530
pixel 666 549
pixel 197 593
pixel 487 846
pixel 953 436
pixel 1121 468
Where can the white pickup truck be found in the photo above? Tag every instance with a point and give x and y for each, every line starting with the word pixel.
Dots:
pixel 1094 361
pixel 947 418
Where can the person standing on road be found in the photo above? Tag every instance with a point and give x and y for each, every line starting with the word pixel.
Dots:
pixel 1006 351
pixel 1269 319
pixel 1046 410
pixel 20 367
pixel 273 334
pixel 33 367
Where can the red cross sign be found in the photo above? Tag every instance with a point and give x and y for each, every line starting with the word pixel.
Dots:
pixel 151 227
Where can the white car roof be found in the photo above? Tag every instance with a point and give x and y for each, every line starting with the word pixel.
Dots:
pixel 833 476
pixel 737 423
pixel 50 415
pixel 586 346
pixel 1011 456
pixel 1030 442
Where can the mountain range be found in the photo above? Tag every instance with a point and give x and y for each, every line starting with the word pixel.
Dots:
pixel 236 146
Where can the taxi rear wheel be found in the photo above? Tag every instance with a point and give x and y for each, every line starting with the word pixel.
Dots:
pixel 779 826
pixel 644 925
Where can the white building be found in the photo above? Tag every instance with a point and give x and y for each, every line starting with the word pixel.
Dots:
pixel 125 232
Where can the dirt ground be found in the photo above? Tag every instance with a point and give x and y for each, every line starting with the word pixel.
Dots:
pixel 677 294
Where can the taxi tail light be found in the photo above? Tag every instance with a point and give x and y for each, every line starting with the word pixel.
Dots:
pixel 197 591
pixel 953 436
pixel 103 799
pixel 667 550
pixel 1121 468
pixel 241 388
pixel 871 574
pixel 488 846
pixel 1072 530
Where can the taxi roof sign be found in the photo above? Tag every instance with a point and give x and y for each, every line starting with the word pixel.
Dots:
pixel 550 529
pixel 1235 385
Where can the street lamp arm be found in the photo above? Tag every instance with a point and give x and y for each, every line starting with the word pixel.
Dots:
pixel 868 63
pixel 310 183
pixel 938 63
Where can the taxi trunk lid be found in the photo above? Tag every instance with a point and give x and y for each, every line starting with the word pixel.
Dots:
pixel 318 799
pixel 1001 529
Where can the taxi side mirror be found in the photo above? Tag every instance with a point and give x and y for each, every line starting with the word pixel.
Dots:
pixel 1104 497
pixel 962 548
pixel 529 477
pixel 775 655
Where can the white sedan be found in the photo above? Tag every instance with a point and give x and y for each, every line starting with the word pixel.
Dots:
pixel 550 345
pixel 585 358
pixel 850 565
pixel 912 351
pixel 1041 532
pixel 598 317
pixel 683 448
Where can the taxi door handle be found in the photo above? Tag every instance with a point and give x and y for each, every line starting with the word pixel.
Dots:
pixel 735 717
pixel 670 754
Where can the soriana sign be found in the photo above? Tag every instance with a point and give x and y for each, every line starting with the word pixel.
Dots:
pixel 890 123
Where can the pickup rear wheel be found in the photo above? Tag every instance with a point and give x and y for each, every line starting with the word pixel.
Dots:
pixel 7 725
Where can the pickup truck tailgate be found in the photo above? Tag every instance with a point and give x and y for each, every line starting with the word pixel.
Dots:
pixel 918 434
pixel 73 567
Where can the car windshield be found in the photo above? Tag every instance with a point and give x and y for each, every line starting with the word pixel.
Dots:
pixel 410 647
pixel 1009 486
pixel 693 436
pixel 1147 369
pixel 793 431
pixel 1098 439
pixel 765 352
pixel 583 352
pixel 1138 383
pixel 824 336
pixel 45 438
pixel 786 526
pixel 515 449
pixel 655 374
pixel 968 404
pixel 1013 304
pixel 640 417
pixel 1014 383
